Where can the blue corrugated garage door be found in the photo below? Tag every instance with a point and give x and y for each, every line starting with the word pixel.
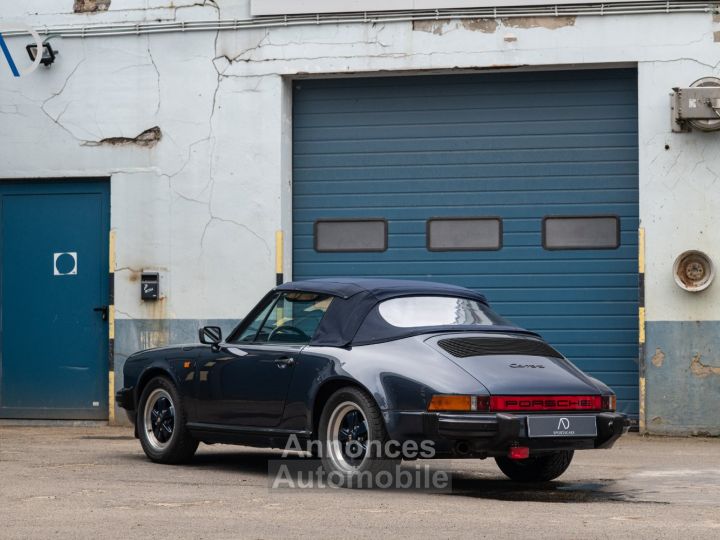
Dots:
pixel 542 166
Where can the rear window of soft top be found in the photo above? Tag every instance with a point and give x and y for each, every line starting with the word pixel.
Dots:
pixel 422 311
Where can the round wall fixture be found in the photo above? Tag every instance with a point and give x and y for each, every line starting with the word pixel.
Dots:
pixel 693 271
pixel 706 125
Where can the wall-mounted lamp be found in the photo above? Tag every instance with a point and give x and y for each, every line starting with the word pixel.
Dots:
pixel 48 54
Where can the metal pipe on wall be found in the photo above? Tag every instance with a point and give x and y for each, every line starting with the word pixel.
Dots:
pixel 550 10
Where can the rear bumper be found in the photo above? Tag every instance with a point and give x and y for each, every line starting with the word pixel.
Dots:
pixel 492 434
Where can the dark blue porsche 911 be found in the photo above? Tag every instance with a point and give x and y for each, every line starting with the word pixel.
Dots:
pixel 361 363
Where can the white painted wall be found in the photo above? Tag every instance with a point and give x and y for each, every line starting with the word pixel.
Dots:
pixel 203 204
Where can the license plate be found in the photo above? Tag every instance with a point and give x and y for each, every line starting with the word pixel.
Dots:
pixel 561 426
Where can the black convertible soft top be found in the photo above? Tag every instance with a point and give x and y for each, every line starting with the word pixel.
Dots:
pixel 352 318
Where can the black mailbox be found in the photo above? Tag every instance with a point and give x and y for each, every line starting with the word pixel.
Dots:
pixel 150 286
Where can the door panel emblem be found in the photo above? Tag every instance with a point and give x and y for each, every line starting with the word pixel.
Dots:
pixel 65 263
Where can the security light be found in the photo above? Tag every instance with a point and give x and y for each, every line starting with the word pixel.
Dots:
pixel 48 54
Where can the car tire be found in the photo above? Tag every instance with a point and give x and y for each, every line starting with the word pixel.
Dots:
pixel 542 468
pixel 161 424
pixel 350 410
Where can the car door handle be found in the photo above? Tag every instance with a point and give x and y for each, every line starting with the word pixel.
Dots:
pixel 284 361
pixel 103 310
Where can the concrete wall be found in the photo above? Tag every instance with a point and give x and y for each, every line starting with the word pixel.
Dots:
pixel 201 204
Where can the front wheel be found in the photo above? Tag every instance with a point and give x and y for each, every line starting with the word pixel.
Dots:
pixel 161 424
pixel 542 468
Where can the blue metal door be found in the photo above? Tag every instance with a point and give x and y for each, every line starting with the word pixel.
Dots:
pixel 519 147
pixel 54 272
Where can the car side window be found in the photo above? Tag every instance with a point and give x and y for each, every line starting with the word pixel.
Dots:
pixel 294 318
pixel 248 335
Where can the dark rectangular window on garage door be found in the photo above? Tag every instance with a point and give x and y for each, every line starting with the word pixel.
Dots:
pixel 350 235
pixel 464 234
pixel 581 232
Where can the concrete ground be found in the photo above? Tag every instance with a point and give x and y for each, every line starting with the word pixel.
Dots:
pixel 94 482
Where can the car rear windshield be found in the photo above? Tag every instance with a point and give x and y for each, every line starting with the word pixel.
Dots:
pixel 422 311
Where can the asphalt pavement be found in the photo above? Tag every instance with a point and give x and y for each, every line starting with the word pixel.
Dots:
pixel 95 482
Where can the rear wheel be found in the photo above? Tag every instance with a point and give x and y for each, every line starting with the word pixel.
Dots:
pixel 542 468
pixel 161 424
pixel 353 437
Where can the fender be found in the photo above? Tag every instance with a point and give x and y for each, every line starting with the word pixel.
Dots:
pixel 156 368
pixel 323 389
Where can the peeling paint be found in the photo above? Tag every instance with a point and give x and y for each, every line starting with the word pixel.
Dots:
pixel 432 27
pixel 149 138
pixel 658 358
pixel 486 26
pixel 701 370
pixel 656 420
pixel 551 23
pixel 91 6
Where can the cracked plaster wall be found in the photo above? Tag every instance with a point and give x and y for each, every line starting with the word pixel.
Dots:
pixel 201 205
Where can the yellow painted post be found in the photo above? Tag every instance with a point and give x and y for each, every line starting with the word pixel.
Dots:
pixel 111 329
pixel 641 324
pixel 111 253
pixel 279 278
pixel 111 323
pixel 111 397
pixel 641 329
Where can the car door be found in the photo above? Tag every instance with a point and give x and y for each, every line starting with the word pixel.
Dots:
pixel 245 382
pixel 244 385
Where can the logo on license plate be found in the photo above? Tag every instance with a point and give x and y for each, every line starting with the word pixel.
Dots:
pixel 563 427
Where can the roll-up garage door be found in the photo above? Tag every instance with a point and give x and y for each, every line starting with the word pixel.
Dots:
pixel 521 185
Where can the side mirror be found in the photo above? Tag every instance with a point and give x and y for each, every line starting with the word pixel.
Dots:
pixel 210 335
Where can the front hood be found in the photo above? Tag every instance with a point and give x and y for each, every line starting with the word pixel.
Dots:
pixel 521 373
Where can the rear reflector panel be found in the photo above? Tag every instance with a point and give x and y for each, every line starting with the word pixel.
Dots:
pixel 546 403
pixel 519 452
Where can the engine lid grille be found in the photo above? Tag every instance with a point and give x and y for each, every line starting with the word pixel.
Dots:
pixel 482 346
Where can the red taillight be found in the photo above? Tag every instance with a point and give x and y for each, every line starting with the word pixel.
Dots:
pixel 519 452
pixel 546 403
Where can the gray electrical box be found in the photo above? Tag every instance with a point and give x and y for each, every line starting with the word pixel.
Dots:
pixel 697 107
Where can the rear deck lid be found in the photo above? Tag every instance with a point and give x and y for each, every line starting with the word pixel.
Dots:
pixel 510 364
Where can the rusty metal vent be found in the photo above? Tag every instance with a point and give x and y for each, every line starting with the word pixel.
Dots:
pixel 478 346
